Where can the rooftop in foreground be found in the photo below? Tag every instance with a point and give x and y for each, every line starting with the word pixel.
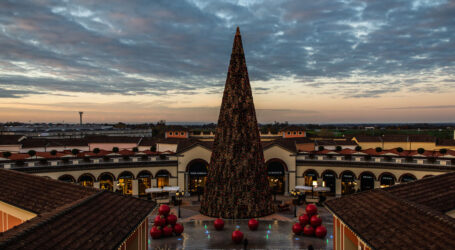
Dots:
pixel 408 216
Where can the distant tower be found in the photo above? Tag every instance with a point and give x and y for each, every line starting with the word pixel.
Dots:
pixel 80 116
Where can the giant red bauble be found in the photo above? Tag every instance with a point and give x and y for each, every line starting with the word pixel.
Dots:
pixel 311 209
pixel 237 236
pixel 167 231
pixel 164 209
pixel 155 232
pixel 219 224
pixel 316 220
pixel 297 228
pixel 159 220
pixel 308 230
pixel 320 232
pixel 253 224
pixel 304 219
pixel 171 219
pixel 178 229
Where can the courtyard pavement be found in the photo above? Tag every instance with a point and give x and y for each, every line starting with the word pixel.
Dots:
pixel 275 231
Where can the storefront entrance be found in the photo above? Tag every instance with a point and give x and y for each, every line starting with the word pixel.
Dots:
pixel 162 178
pixel 311 176
pixel 348 184
pixel 387 180
pixel 329 180
pixel 144 182
pixel 275 171
pixel 106 181
pixel 125 183
pixel 86 180
pixel 197 176
pixel 366 181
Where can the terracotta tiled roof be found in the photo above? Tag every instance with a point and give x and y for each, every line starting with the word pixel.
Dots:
pixel 407 216
pixel 293 128
pixel 38 194
pixel 69 216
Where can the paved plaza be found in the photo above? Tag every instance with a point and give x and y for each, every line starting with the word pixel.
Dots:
pixel 274 231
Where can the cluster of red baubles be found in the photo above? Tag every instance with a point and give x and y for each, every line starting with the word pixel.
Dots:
pixel 165 224
pixel 237 235
pixel 310 224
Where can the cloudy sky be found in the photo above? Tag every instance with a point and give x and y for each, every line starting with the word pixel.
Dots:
pixel 322 61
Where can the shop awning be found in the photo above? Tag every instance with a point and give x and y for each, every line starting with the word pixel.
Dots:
pixel 305 188
pixel 154 190
pixel 171 189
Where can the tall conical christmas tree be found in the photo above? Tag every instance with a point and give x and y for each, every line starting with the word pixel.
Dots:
pixel 237 184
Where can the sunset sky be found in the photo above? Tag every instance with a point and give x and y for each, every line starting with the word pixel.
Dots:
pixel 323 61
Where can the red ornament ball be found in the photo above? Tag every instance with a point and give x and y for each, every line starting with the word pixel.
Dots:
pixel 320 232
pixel 160 220
pixel 178 229
pixel 308 230
pixel 237 236
pixel 316 220
pixel 171 219
pixel 155 232
pixel 311 209
pixel 167 231
pixel 164 209
pixel 253 224
pixel 297 228
pixel 304 219
pixel 219 224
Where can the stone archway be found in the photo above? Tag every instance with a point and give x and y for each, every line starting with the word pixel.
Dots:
pixel 329 178
pixel 278 176
pixel 196 176
pixel 144 181
pixel 367 179
pixel 86 180
pixel 125 182
pixel 387 179
pixel 106 181
pixel 310 176
pixel 67 178
pixel 348 182
pixel 407 177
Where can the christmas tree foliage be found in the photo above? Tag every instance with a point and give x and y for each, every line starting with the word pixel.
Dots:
pixel 237 184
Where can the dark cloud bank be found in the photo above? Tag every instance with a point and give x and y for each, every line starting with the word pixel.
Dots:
pixel 155 47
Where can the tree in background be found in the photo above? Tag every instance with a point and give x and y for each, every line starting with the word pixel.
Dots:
pixel 75 151
pixel 32 153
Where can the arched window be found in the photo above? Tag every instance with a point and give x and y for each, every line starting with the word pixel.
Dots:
pixel 329 180
pixel 387 179
pixel 275 171
pixel 348 183
pixel 407 178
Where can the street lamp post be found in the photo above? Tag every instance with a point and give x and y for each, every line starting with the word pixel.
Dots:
pixel 179 200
